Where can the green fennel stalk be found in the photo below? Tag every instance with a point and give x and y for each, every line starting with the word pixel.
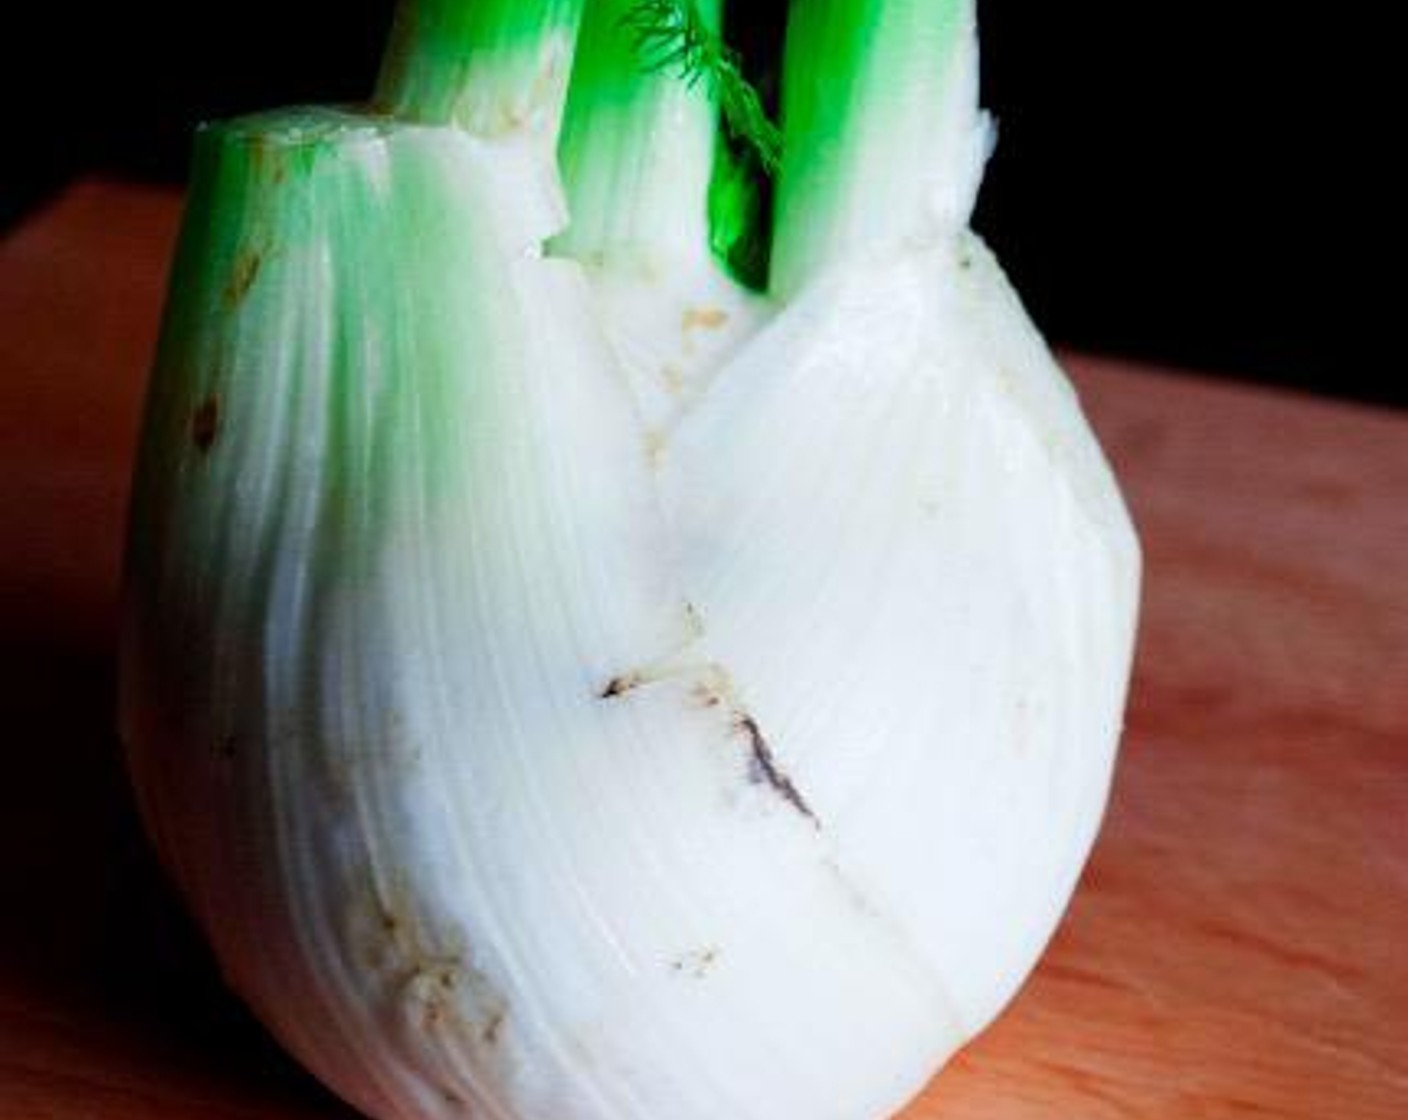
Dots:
pixel 491 66
pixel 879 106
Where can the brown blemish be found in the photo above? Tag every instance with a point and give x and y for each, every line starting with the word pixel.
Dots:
pixel 763 768
pixel 696 964
pixel 673 376
pixel 266 159
pixel 713 689
pixel 429 976
pixel 706 696
pixel 489 1035
pixel 246 271
pixel 205 423
pixel 433 993
pixel 666 669
pixel 435 990
pixel 704 318
pixel 717 685
pixel 655 445
pixel 619 686
pixel 511 119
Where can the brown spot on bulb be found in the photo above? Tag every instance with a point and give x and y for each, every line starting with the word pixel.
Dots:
pixel 704 318
pixel 763 768
pixel 205 423
pixel 696 964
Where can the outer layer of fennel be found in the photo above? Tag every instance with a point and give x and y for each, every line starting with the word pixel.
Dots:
pixel 534 750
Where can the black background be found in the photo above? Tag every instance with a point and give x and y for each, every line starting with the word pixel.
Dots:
pixel 1186 184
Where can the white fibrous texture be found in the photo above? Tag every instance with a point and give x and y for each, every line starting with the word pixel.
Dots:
pixel 533 746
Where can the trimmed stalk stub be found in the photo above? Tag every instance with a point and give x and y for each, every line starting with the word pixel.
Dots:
pixel 637 148
pixel 638 153
pixel 495 67
pixel 883 139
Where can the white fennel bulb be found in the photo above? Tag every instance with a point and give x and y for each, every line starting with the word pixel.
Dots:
pixel 565 682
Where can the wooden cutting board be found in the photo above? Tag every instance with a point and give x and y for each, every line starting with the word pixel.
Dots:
pixel 1238 948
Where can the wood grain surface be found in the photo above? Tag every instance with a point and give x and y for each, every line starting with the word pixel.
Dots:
pixel 1239 945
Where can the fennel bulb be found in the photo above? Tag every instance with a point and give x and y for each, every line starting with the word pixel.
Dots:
pixel 567 684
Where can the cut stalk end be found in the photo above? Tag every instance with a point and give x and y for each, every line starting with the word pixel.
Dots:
pixel 637 143
pixel 494 67
pixel 883 139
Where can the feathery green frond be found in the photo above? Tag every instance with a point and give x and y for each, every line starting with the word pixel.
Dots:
pixel 671 37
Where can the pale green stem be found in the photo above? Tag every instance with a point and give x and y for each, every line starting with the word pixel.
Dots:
pixel 637 147
pixel 883 142
pixel 494 67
